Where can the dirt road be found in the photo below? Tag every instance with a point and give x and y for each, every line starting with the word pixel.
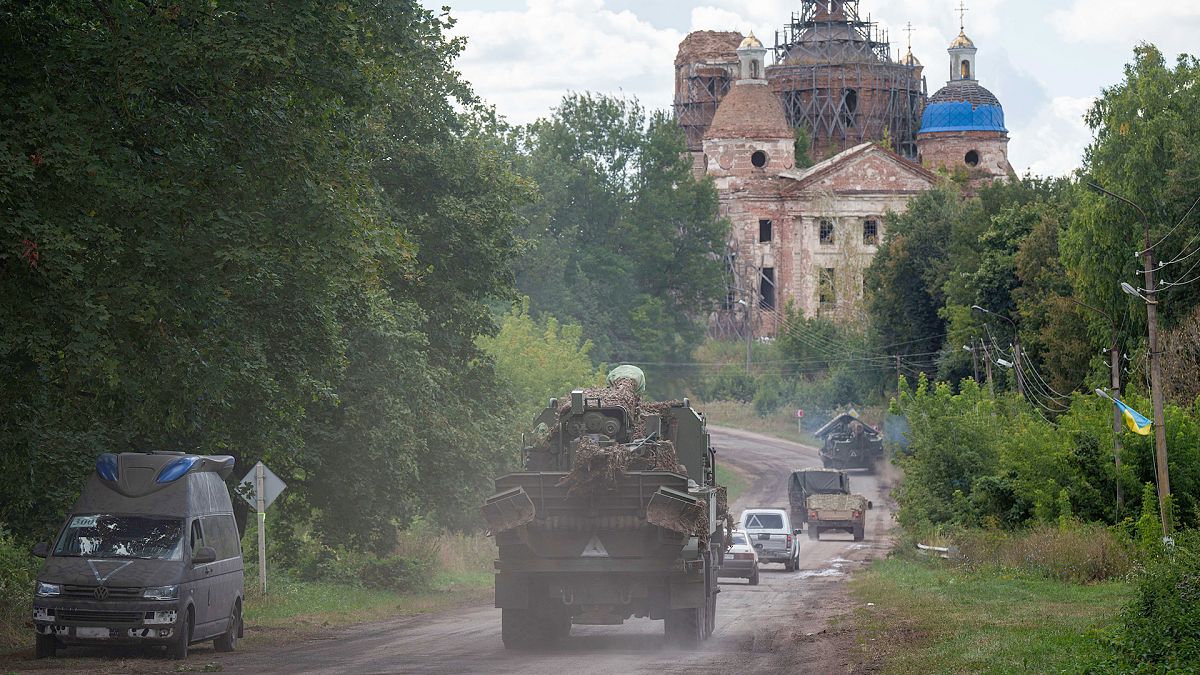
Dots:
pixel 776 626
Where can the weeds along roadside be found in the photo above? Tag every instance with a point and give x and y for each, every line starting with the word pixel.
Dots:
pixel 1070 597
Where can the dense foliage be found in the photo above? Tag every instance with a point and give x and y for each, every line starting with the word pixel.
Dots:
pixel 262 229
pixel 976 460
pixel 538 359
pixel 624 241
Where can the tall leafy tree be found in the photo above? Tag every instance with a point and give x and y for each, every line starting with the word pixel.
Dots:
pixel 625 241
pixel 1146 136
pixel 270 230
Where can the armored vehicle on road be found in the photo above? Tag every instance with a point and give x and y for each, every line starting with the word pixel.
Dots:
pixel 850 443
pixel 616 514
pixel 821 499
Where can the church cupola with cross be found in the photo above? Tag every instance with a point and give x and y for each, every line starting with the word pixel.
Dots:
pixel 962 127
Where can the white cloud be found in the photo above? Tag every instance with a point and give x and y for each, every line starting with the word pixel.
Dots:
pixel 524 61
pixel 1052 143
pixel 1170 24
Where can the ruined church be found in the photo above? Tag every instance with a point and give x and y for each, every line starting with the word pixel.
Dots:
pixel 804 234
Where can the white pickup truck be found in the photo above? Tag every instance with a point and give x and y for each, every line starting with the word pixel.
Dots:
pixel 770 532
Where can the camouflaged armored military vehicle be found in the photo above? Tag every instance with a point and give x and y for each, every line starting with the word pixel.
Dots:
pixel 850 443
pixel 616 515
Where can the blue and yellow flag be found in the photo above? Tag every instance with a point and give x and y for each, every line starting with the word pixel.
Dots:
pixel 1136 421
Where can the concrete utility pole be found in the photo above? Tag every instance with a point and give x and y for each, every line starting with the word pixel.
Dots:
pixel 974 358
pixel 1016 350
pixel 987 361
pixel 1156 394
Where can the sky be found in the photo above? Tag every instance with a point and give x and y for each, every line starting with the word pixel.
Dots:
pixel 1046 60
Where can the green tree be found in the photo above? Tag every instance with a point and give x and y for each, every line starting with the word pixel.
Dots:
pixel 1146 136
pixel 539 359
pixel 267 230
pixel 624 241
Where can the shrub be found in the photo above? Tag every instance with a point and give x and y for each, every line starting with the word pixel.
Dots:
pixel 396 573
pixel 1075 553
pixel 1160 628
pixel 18 570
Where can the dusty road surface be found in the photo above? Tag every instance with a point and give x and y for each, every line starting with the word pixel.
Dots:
pixel 781 625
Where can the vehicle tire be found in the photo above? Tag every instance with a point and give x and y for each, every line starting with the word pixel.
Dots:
pixel 711 616
pixel 518 628
pixel 685 627
pixel 789 566
pixel 859 532
pixel 178 649
pixel 754 577
pixel 228 641
pixel 814 533
pixel 45 646
pixel 554 619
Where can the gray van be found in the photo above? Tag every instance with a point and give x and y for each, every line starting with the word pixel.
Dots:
pixel 149 555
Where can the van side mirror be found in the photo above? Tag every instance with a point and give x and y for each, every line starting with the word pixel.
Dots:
pixel 41 549
pixel 796 531
pixel 870 504
pixel 205 555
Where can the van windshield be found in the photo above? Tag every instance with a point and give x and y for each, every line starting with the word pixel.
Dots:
pixel 110 536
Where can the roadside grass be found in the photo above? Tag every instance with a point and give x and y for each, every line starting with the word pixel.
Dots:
pixel 739 415
pixel 735 481
pixel 462 574
pixel 930 617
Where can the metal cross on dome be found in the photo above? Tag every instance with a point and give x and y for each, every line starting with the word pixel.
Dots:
pixel 909 29
pixel 962 15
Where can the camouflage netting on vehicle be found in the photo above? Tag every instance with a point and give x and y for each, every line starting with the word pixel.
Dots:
pixel 693 519
pixel 596 468
pixel 622 393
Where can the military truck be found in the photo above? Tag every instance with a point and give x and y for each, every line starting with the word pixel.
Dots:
pixel 821 499
pixel 850 443
pixel 616 514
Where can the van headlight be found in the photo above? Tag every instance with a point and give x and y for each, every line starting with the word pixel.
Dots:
pixel 45 590
pixel 162 593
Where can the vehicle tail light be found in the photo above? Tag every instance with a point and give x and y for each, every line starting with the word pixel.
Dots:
pixel 789 540
pixel 857 514
pixel 743 556
pixel 812 513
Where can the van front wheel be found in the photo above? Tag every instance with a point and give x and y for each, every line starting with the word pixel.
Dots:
pixel 178 649
pixel 227 642
pixel 45 647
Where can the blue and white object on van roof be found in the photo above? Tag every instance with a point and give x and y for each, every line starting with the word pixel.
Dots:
pixel 138 473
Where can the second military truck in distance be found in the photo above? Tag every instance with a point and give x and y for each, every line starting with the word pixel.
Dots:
pixel 616 514
pixel 821 499
pixel 850 443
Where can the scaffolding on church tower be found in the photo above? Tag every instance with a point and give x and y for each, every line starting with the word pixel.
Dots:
pixel 836 78
pixel 704 70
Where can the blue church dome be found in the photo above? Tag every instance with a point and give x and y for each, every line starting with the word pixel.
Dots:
pixel 963 105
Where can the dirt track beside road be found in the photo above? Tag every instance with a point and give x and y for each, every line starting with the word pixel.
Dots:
pixel 781 625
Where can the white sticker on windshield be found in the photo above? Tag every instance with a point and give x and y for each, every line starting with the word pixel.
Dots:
pixel 83 521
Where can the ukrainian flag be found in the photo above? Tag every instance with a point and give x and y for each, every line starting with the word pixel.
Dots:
pixel 1136 422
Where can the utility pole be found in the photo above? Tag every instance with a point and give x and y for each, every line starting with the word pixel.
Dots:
pixel 987 360
pixel 751 301
pixel 1016 345
pixel 1156 394
pixel 898 376
pixel 974 359
pixel 1017 365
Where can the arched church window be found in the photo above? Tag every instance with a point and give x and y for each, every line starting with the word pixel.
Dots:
pixel 972 158
pixel 966 69
pixel 754 70
pixel 849 106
